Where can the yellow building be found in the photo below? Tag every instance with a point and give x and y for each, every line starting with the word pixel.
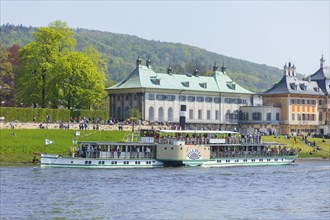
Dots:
pixel 304 103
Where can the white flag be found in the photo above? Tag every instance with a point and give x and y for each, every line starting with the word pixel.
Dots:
pixel 48 142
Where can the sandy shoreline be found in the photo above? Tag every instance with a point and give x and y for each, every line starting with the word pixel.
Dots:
pixel 72 126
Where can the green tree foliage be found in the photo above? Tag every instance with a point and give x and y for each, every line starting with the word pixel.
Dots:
pixel 78 81
pixel 37 61
pixel 6 76
pixel 53 74
pixel 120 52
pixel 134 114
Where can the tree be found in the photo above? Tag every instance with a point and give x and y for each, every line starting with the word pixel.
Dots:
pixel 134 114
pixel 37 61
pixel 77 81
pixel 6 76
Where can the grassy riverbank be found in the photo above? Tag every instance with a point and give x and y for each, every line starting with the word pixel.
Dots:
pixel 17 145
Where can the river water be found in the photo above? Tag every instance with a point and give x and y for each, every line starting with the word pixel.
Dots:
pixel 299 191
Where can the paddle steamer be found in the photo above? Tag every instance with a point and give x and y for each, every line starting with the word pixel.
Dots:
pixel 158 148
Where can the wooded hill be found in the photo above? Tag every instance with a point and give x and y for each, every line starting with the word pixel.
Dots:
pixel 121 51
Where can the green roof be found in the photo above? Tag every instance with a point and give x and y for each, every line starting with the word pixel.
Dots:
pixel 144 77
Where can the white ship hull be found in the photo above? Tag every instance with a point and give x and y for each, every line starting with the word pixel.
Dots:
pixel 230 162
pixel 51 160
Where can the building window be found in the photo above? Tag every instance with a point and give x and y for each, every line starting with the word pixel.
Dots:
pixel 171 97
pixel 235 115
pixel 292 101
pixel 160 114
pixel 200 116
pixel 118 98
pixel 320 116
pixel 151 114
pixel 182 98
pixel 269 116
pixel 304 117
pixel 170 114
pixel 191 98
pixel 191 114
pixel 298 116
pixel 119 113
pixel 151 96
pixel 208 114
pixel 217 100
pixel 208 99
pixel 161 97
pixel 293 116
pixel 320 102
pixel 245 116
pixel 256 116
pixel 228 116
pixel 126 112
pixel 216 114
pixel 200 99
pixel 277 116
pixel 312 117
pixel 303 101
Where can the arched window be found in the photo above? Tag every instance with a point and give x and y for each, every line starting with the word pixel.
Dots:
pixel 118 113
pixel 126 112
pixel 228 115
pixel 151 114
pixel 236 115
pixel 320 116
pixel 160 114
pixel 170 115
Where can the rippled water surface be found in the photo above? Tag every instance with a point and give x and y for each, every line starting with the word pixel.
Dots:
pixel 300 191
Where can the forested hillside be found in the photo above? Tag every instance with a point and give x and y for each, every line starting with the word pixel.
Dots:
pixel 121 51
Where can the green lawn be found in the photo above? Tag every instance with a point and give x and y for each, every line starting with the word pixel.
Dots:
pixel 17 146
pixel 305 149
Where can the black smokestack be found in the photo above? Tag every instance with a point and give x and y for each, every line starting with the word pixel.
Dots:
pixel 183 117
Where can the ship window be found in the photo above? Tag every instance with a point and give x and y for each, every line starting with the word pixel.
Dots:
pixel 245 160
pixel 86 162
pixel 102 162
pixel 218 161
pixel 261 160
pixel 268 159
pixel 180 148
pixel 71 161
pixel 276 159
pixel 89 162
pixel 171 148
pixel 165 148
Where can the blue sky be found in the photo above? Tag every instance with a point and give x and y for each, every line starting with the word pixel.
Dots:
pixel 264 32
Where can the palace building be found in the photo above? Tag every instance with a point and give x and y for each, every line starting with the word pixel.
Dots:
pixel 291 105
pixel 303 102
pixel 212 99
